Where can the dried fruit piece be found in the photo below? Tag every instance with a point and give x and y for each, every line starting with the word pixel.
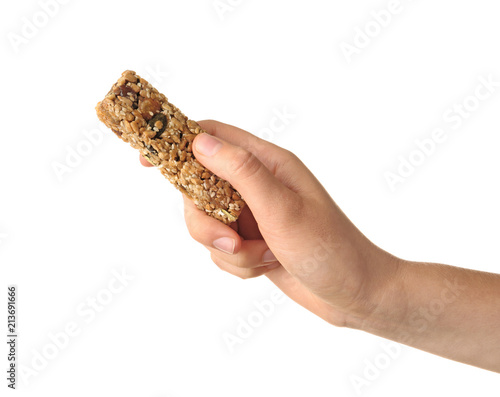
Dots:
pixel 126 92
pixel 148 107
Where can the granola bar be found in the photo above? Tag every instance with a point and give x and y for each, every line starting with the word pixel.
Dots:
pixel 140 115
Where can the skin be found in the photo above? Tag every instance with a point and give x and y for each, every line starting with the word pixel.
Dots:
pixel 324 263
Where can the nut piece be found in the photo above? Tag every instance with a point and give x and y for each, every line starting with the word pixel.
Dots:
pixel 158 124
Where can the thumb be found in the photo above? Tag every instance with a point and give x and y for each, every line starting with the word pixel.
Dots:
pixel 262 191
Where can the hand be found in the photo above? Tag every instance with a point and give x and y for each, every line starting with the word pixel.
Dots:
pixel 291 230
pixel 295 234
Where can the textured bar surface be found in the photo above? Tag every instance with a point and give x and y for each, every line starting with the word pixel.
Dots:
pixel 143 117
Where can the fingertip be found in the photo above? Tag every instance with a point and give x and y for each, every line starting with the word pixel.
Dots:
pixel 144 161
pixel 206 145
pixel 207 230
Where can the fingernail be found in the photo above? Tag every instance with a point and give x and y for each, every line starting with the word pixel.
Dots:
pixel 268 257
pixel 225 244
pixel 207 145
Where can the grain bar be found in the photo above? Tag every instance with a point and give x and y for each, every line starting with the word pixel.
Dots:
pixel 143 117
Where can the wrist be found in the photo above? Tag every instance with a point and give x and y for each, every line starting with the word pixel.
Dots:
pixel 380 303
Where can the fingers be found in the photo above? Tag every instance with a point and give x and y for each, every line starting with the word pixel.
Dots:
pixel 252 254
pixel 224 242
pixel 209 231
pixel 263 192
pixel 242 272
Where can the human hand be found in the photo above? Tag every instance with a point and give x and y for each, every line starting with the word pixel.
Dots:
pixel 291 230
pixel 294 233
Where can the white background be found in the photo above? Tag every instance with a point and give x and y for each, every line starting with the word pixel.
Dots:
pixel 162 336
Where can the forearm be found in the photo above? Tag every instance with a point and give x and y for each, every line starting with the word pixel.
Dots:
pixel 449 311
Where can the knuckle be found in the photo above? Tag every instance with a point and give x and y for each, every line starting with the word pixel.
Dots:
pixel 248 274
pixel 215 259
pixel 223 265
pixel 288 157
pixel 195 236
pixel 192 229
pixel 236 260
pixel 244 164
pixel 251 274
pixel 239 261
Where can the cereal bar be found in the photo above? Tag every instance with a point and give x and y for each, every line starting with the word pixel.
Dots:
pixel 140 115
